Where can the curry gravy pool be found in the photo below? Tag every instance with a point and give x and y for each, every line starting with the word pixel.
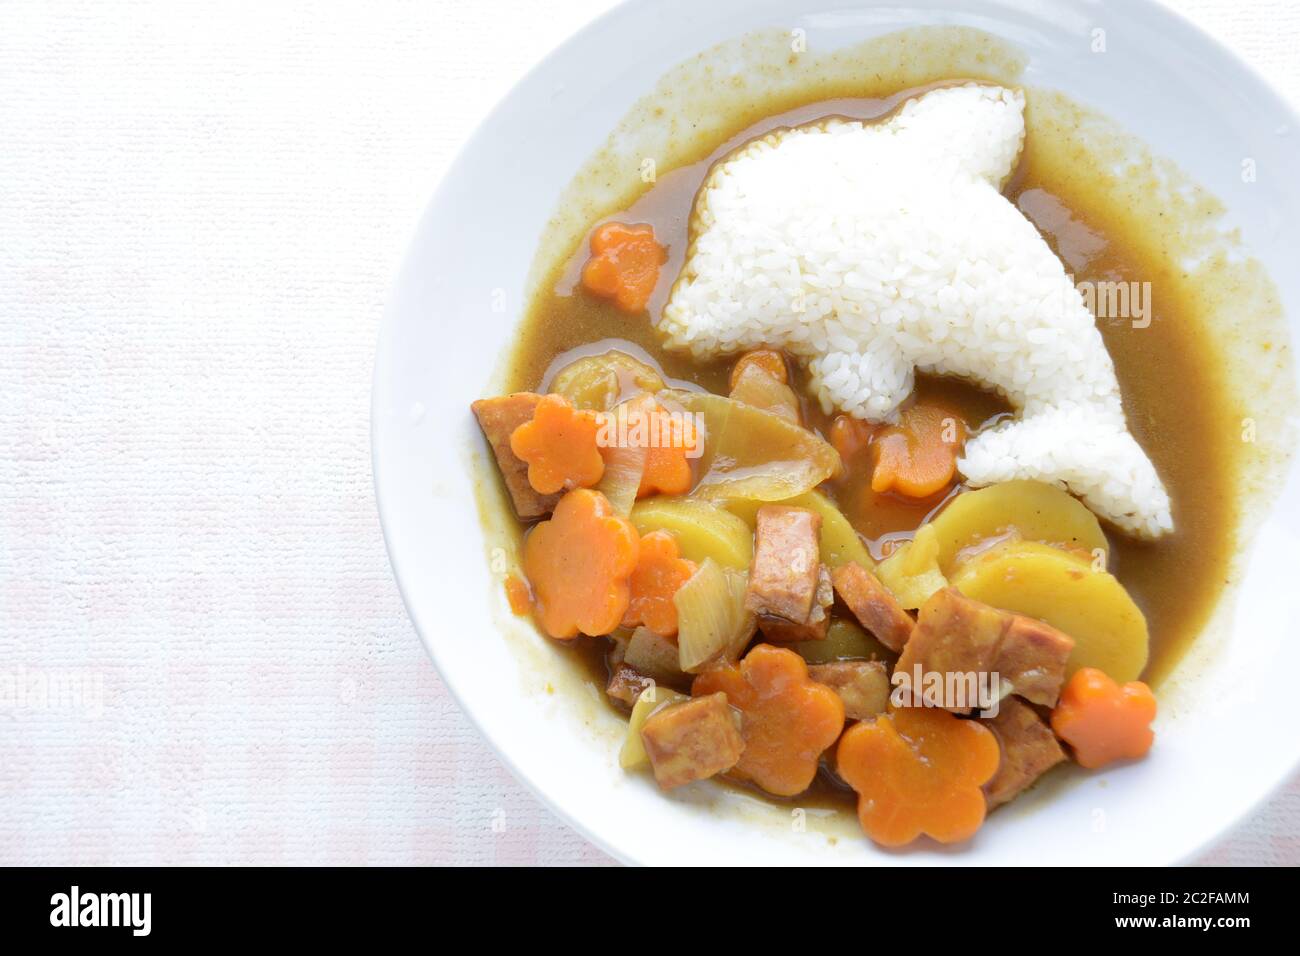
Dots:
pixel 1175 396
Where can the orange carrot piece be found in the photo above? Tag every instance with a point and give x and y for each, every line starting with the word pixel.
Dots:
pixel 788 719
pixel 624 264
pixel 1103 721
pixel 770 360
pixel 580 565
pixel 850 436
pixel 918 456
pixel 660 571
pixel 667 463
pixel 517 593
pixel 560 447
pixel 918 770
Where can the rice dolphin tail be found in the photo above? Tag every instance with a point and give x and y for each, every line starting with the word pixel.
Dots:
pixel 1032 448
pixel 871 250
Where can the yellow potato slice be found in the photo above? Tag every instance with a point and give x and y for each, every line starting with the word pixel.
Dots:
pixel 912 572
pixel 599 382
pixel 839 543
pixel 1063 589
pixel 702 531
pixel 1035 511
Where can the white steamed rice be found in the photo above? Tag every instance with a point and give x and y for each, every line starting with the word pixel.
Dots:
pixel 870 250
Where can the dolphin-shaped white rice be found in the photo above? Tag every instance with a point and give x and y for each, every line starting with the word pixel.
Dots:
pixel 872 249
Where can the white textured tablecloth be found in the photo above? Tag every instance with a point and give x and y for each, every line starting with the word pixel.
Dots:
pixel 203 658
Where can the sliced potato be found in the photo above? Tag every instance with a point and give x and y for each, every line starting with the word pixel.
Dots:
pixel 1063 589
pixel 750 453
pixel 702 530
pixel 599 382
pixel 845 640
pixel 839 542
pixel 633 754
pixel 912 572
pixel 1036 511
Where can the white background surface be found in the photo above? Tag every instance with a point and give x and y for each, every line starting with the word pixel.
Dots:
pixel 201 208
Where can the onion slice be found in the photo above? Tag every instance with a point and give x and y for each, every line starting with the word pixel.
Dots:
pixel 624 464
pixel 751 453
pixel 712 623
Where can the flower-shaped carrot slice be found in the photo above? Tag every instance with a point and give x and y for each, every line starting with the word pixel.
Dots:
pixel 667 463
pixel 560 446
pixel 918 770
pixel 918 456
pixel 788 719
pixel 660 571
pixel 1104 721
pixel 624 265
pixel 580 565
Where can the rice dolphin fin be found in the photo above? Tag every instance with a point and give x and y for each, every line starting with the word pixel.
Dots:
pixel 870 250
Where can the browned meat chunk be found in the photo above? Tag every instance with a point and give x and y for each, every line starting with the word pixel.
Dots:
pixel 956 635
pixel 693 740
pixel 1028 750
pixel 783 575
pixel 498 417
pixel 873 605
pixel 782 631
pixel 626 683
pixel 819 619
pixel 1033 658
pixel 862 685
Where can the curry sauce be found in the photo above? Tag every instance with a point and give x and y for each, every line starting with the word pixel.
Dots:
pixel 1174 395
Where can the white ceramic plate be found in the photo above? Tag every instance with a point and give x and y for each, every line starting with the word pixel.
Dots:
pixel 444 333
